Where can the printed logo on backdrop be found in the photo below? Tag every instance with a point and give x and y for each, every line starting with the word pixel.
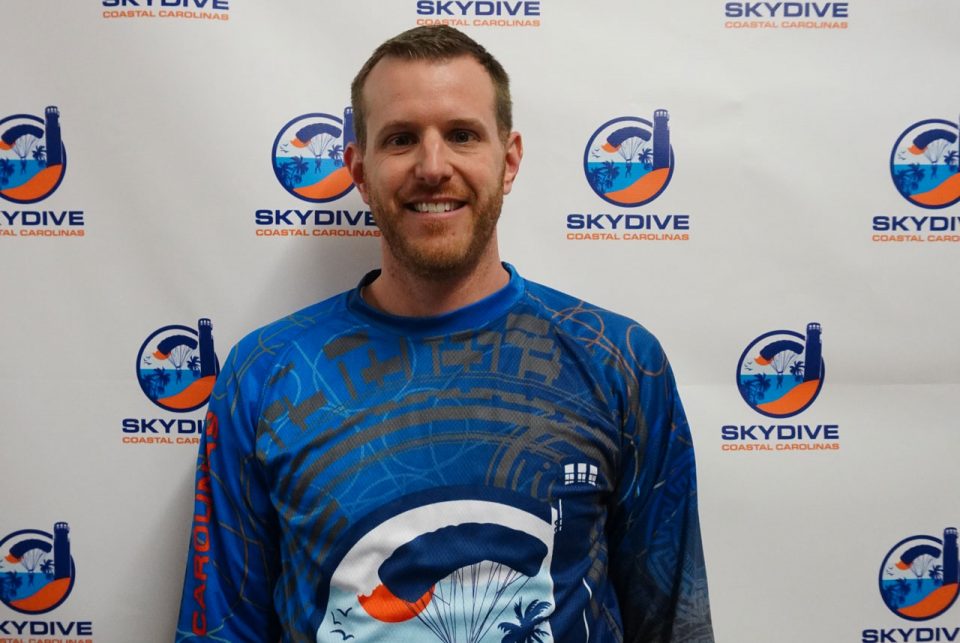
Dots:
pixel 925 171
pixel 37 572
pixel 167 9
pixel 919 580
pixel 176 369
pixel 628 162
pixel 479 13
pixel 33 161
pixel 780 374
pixel 308 163
pixel 787 15
pixel 37 575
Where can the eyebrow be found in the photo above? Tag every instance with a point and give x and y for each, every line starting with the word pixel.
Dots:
pixel 456 123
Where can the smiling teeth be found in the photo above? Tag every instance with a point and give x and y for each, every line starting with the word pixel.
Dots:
pixel 433 207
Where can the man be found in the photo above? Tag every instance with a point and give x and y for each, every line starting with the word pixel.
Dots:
pixel 447 452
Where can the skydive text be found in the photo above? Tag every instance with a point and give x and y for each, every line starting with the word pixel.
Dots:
pixel 43 628
pixel 478 8
pixel 43 217
pixel 578 221
pixel 780 432
pixel 787 10
pixel 199 4
pixel 314 217
pixel 160 425
pixel 909 635
pixel 916 224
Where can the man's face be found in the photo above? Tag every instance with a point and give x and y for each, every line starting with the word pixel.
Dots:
pixel 434 169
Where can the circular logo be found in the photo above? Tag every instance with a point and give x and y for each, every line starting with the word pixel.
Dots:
pixel 629 161
pixel 924 164
pixel 308 156
pixel 32 157
pixel 37 571
pixel 177 366
pixel 917 582
pixel 424 573
pixel 781 372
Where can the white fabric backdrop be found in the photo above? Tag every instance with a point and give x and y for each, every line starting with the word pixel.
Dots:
pixel 782 139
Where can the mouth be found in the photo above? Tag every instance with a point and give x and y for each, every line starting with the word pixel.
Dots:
pixel 435 206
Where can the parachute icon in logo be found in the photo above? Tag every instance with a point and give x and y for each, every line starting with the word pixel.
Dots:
pixel 308 156
pixel 32 157
pixel 433 569
pixel 37 571
pixel 924 164
pixel 629 160
pixel 781 372
pixel 177 366
pixel 920 577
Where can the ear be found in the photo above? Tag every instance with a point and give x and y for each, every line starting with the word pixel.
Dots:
pixel 353 159
pixel 513 154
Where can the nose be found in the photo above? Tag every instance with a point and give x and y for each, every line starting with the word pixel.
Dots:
pixel 433 162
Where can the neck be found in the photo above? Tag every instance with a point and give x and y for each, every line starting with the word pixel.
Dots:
pixel 399 292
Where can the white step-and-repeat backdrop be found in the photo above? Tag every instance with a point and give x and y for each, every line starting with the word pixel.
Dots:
pixel 779 207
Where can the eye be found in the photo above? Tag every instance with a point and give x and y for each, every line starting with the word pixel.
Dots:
pixel 462 136
pixel 399 140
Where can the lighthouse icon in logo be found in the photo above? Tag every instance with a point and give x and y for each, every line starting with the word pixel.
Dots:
pixel 36 569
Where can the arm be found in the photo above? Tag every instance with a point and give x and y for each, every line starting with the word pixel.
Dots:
pixel 656 558
pixel 233 561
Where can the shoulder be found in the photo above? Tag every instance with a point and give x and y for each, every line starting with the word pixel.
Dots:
pixel 263 349
pixel 606 335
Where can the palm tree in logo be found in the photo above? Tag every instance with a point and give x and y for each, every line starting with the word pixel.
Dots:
pixel 796 369
pixel 908 180
pixel 915 176
pixel 526 630
pixel 610 174
pixel 646 157
pixel 759 386
pixel 40 155
pixel 194 365
pixel 157 382
pixel 603 176
pixel 46 567
pixel 6 171
pixel 292 171
pixel 951 159
pixel 9 584
pixel 336 155
pixel 936 574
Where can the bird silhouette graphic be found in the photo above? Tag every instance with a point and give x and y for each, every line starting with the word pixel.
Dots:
pixel 343 635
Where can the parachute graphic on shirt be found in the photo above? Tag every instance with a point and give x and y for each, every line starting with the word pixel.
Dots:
pixel 426 578
pixel 457 583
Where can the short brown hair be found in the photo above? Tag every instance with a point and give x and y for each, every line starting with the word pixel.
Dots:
pixel 434 43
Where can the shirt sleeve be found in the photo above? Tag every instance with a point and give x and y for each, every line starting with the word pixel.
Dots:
pixel 656 557
pixel 233 560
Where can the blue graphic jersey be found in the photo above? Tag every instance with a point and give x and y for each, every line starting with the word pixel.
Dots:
pixel 516 470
